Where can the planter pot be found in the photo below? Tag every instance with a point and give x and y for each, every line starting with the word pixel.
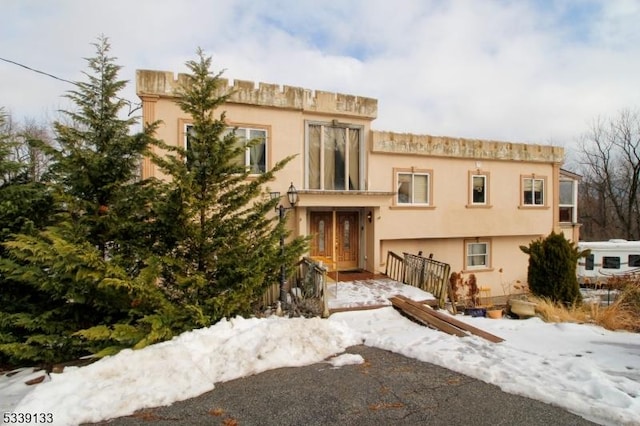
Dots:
pixel 494 313
pixel 475 312
pixel 522 308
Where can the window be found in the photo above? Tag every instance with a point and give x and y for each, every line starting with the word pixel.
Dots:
pixel 567 201
pixel 589 262
pixel 478 189
pixel 634 260
pixel 413 188
pixel 334 157
pixel 254 156
pixel 610 262
pixel 533 191
pixel 477 255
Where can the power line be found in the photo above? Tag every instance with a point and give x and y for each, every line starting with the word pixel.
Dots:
pixel 132 107
pixel 38 71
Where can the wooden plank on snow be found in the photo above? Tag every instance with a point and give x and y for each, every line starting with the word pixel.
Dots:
pixel 451 320
pixel 425 319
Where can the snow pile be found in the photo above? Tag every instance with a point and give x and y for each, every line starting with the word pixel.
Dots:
pixel 185 367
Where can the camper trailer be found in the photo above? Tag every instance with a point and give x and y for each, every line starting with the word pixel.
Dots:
pixel 607 259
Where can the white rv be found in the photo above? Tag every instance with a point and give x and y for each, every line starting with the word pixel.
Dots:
pixel 607 258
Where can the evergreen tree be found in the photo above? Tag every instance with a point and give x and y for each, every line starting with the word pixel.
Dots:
pixel 552 269
pixel 219 233
pixel 25 207
pixel 86 269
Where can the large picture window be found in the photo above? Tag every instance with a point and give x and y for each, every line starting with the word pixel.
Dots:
pixel 413 188
pixel 334 157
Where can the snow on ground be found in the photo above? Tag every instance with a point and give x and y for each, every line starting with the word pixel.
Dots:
pixel 376 292
pixel 590 371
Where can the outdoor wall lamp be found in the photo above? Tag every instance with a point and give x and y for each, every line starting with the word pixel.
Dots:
pixel 369 216
pixel 292 196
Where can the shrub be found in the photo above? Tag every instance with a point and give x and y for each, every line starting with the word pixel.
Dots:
pixel 552 269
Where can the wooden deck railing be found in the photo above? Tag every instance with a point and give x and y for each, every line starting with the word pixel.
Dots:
pixel 424 273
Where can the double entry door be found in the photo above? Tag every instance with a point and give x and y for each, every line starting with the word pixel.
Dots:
pixel 335 239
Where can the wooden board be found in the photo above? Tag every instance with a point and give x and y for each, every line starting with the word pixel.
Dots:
pixel 427 312
pixel 425 319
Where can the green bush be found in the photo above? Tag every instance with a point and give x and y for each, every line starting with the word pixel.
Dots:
pixel 552 269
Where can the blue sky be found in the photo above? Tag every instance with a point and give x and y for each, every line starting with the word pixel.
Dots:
pixel 534 71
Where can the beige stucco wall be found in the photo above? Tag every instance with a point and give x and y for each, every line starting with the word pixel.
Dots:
pixel 441 228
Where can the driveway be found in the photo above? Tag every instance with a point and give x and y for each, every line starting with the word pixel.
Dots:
pixel 388 389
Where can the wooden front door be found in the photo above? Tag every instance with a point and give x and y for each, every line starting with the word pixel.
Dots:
pixel 347 240
pixel 335 239
pixel 322 237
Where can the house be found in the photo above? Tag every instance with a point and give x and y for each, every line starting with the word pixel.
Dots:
pixel 363 193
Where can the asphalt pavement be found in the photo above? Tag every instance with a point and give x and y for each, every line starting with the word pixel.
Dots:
pixel 387 389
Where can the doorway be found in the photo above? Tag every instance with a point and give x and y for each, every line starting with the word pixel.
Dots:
pixel 335 239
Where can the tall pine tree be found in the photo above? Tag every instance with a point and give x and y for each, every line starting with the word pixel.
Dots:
pixel 219 232
pixel 84 269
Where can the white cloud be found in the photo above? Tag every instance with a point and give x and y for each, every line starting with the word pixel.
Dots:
pixel 520 71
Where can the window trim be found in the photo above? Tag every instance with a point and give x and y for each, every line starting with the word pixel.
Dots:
pixel 414 171
pixel 545 195
pixel 185 123
pixel 488 255
pixel 487 192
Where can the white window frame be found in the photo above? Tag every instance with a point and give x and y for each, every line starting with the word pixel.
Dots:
pixel 574 200
pixel 485 176
pixel 533 180
pixel 469 255
pixel 247 130
pixel 428 175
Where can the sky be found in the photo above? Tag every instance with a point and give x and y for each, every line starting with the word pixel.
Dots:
pixel 589 371
pixel 534 71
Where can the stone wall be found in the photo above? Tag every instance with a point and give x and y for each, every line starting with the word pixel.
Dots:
pixel 443 146
pixel 163 84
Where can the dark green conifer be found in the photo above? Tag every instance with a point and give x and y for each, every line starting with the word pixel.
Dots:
pixel 220 233
pixel 83 270
pixel 552 269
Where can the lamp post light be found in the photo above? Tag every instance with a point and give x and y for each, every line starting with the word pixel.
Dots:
pixel 292 196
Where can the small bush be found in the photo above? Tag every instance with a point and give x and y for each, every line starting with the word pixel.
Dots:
pixel 552 269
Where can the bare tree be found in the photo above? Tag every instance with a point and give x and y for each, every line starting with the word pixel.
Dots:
pixel 25 146
pixel 610 165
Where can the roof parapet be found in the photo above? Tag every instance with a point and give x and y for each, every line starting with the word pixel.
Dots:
pixel 163 84
pixel 443 146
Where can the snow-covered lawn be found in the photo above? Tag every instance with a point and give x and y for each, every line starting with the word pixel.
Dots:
pixel 590 371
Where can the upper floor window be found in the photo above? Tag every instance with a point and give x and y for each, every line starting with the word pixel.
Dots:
pixel 413 188
pixel 478 188
pixel 254 156
pixel 334 159
pixel 568 201
pixel 533 191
